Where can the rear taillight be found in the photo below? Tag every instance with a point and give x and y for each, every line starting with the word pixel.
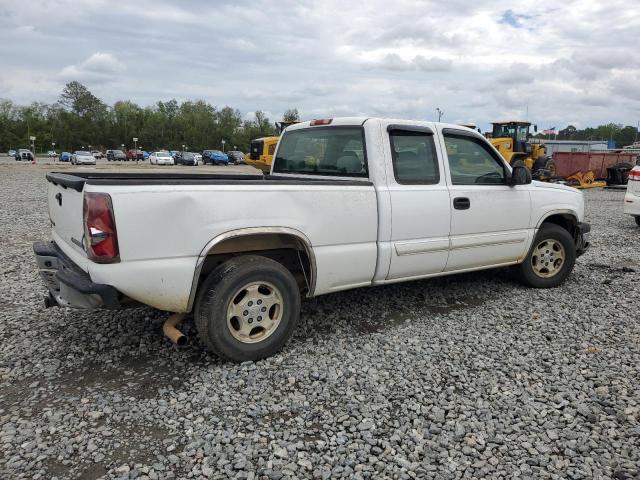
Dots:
pixel 634 175
pixel 101 237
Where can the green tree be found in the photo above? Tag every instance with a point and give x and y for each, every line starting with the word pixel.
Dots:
pixel 291 115
pixel 77 98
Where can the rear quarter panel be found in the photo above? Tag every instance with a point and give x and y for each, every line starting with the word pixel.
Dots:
pixel 163 229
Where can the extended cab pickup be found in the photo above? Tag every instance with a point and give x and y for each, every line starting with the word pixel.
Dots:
pixel 360 202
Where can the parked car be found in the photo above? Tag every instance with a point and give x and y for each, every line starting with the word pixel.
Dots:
pixel 82 157
pixel 116 155
pixel 11 153
pixel 236 157
pixel 215 157
pixel 186 158
pixel 135 154
pixel 161 158
pixel 198 159
pixel 97 154
pixel 174 153
pixel 455 205
pixel 24 154
pixel 145 155
pixel 52 154
pixel 65 157
pixel 632 197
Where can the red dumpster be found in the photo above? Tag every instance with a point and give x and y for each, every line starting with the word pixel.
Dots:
pixel 568 163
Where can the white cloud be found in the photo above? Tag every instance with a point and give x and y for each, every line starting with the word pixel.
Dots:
pixel 98 68
pixel 483 60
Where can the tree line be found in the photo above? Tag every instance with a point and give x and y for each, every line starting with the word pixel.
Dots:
pixel 622 135
pixel 79 119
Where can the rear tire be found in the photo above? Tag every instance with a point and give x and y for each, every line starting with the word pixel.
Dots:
pixel 637 217
pixel 550 259
pixel 247 308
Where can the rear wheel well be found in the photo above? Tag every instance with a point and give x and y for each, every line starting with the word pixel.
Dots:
pixel 287 249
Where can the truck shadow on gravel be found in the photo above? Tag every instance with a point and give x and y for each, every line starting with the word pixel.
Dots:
pixel 378 309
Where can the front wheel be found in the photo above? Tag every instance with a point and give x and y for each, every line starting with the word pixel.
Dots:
pixel 550 259
pixel 247 308
pixel 637 217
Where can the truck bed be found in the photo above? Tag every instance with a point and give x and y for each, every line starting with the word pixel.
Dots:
pixel 77 180
pixel 165 221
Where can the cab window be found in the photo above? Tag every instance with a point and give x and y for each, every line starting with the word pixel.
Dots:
pixel 472 163
pixel 334 151
pixel 414 157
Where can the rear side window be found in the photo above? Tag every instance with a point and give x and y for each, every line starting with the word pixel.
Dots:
pixel 334 151
pixel 471 162
pixel 414 157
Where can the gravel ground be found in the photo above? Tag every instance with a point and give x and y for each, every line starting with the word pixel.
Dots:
pixel 469 376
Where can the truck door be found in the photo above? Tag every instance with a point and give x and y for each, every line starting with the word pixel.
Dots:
pixel 420 206
pixel 489 219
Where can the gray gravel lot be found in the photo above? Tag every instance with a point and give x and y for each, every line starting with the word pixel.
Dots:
pixel 467 376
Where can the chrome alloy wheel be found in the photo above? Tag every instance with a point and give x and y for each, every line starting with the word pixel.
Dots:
pixel 254 312
pixel 548 258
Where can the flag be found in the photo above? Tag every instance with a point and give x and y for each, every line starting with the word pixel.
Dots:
pixel 549 131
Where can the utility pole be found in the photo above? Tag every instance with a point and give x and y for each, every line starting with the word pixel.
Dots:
pixel 440 113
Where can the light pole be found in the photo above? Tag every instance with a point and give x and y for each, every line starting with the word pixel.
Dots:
pixel 223 142
pixel 135 147
pixel 440 113
pixel 53 148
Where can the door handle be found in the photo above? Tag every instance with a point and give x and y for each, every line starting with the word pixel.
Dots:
pixel 461 203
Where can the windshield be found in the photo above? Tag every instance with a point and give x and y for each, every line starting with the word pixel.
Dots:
pixel 336 151
pixel 163 154
pixel 188 155
pixel 511 130
pixel 118 152
pixel 81 152
pixel 216 152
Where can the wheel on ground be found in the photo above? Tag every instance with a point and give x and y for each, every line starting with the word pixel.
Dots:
pixel 550 259
pixel 637 217
pixel 247 308
pixel 551 166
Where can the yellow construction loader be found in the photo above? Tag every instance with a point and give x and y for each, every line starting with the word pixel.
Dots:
pixel 513 140
pixel 261 150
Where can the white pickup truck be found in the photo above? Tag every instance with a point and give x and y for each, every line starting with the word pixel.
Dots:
pixel 350 202
pixel 632 196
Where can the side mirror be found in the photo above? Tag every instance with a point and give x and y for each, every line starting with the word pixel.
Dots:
pixel 535 128
pixel 520 175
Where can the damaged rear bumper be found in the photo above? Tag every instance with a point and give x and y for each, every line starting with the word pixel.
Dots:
pixel 68 285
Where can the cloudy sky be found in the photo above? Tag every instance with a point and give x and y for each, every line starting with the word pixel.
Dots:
pixel 571 62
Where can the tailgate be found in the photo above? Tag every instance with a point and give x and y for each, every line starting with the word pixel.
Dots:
pixel 65 212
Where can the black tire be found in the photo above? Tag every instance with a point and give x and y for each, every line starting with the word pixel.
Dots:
pixel 221 287
pixel 637 217
pixel 623 165
pixel 550 165
pixel 526 272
